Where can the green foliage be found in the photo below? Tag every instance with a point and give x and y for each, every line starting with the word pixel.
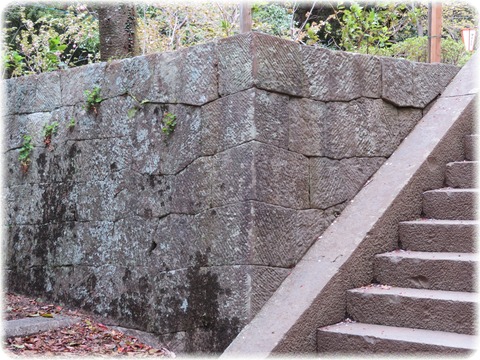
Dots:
pixel 169 122
pixel 93 98
pixel 40 38
pixel 274 19
pixel 25 151
pixel 72 123
pixel 415 49
pixel 50 129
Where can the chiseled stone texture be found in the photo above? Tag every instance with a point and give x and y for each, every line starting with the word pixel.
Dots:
pixel 187 235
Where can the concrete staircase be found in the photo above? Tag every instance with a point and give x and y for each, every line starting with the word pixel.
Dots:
pixel 423 297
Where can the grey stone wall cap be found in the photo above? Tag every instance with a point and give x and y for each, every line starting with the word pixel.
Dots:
pixel 311 277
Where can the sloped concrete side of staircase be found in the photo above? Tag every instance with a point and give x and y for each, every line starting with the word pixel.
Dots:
pixel 314 294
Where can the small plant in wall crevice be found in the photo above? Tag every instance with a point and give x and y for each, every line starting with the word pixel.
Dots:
pixel 93 99
pixel 169 122
pixel 25 151
pixel 48 131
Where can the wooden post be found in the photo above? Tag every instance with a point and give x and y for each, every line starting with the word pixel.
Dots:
pixel 245 17
pixel 434 32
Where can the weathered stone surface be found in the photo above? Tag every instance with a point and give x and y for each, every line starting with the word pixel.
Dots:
pixel 193 191
pixel 397 86
pixel 341 76
pixel 156 152
pixel 430 81
pixel 10 98
pixel 31 124
pixel 247 115
pixel 166 81
pixel 257 233
pixel 24 204
pixel 199 82
pixel 235 64
pixel 308 122
pixel 129 76
pixel 367 127
pixel 334 182
pixel 36 93
pixel 75 81
pixel 256 171
pixel 262 60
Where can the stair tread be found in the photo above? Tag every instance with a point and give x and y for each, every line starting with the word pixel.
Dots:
pixel 432 337
pixel 441 222
pixel 385 290
pixel 425 255
pixel 454 190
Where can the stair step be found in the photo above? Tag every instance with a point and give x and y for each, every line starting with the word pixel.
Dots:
pixel 450 204
pixel 438 235
pixel 426 270
pixel 450 311
pixel 470 144
pixel 461 174
pixel 354 337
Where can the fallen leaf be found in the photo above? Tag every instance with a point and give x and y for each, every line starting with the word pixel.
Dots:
pixel 47 315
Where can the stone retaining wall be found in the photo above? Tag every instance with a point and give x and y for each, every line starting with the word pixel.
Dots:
pixel 187 235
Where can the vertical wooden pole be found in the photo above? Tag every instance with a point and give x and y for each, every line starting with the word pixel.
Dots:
pixel 245 17
pixel 434 32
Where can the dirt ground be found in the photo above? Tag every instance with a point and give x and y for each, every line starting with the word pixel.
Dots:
pixel 89 337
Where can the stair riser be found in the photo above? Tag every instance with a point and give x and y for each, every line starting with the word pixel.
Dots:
pixel 461 175
pixel 430 314
pixel 341 343
pixel 445 205
pixel 425 274
pixel 424 236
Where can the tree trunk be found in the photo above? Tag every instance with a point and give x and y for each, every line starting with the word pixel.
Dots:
pixel 118 31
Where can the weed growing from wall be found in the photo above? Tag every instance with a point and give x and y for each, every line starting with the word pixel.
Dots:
pixel 93 99
pixel 25 151
pixel 48 131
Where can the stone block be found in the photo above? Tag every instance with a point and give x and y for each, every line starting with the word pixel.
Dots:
pixel 77 80
pixel 96 239
pixel 341 76
pixel 398 81
pixel 307 131
pixel 156 152
pixel 256 171
pixel 21 251
pixel 265 281
pixel 247 115
pixel 430 81
pixel 24 204
pixel 166 80
pixel 101 201
pixel 36 93
pixel 260 60
pixel 127 245
pixel 367 127
pixel 31 124
pixel 132 75
pixel 95 160
pixel 199 79
pixel 113 119
pixel 283 235
pixel 192 187
pixel 150 195
pixel 333 182
pixel 10 98
pixel 257 233
pixel 174 243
